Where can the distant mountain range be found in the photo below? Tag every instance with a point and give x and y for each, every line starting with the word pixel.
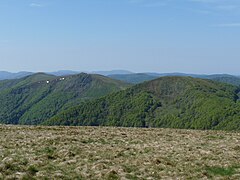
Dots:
pixel 63 73
pixel 9 75
pixel 4 75
pixel 128 76
pixel 107 73
pixel 136 78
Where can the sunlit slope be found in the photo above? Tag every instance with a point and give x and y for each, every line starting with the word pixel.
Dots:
pixel 173 102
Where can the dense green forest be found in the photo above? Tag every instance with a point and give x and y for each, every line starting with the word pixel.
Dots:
pixel 95 100
pixel 234 80
pixel 168 102
pixel 134 78
pixel 37 97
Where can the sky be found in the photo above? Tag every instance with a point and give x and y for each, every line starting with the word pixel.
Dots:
pixel 189 36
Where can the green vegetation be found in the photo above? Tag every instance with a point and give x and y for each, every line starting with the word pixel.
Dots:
pixel 35 98
pixel 94 100
pixel 169 102
pixel 221 171
pixel 133 78
pixel 226 79
pixel 35 152
pixel 136 78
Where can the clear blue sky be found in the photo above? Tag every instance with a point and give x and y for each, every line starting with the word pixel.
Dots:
pixel 192 36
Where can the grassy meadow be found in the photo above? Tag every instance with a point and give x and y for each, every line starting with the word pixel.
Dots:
pixel 28 152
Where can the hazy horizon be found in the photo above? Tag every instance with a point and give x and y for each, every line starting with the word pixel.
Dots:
pixel 109 70
pixel 164 36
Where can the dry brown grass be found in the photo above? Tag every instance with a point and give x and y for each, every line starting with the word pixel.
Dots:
pixel 117 153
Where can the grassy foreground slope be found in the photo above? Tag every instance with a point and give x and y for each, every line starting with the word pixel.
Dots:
pixel 117 153
pixel 169 102
pixel 35 98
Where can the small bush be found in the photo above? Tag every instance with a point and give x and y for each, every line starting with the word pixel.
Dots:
pixel 221 171
pixel 32 170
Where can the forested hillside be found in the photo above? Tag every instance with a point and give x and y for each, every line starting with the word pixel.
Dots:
pixel 136 78
pixel 229 79
pixel 168 102
pixel 35 98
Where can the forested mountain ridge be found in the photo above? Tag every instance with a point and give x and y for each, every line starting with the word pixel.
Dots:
pixel 136 78
pixel 37 97
pixel 126 76
pixel 5 75
pixel 167 102
pixel 229 79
